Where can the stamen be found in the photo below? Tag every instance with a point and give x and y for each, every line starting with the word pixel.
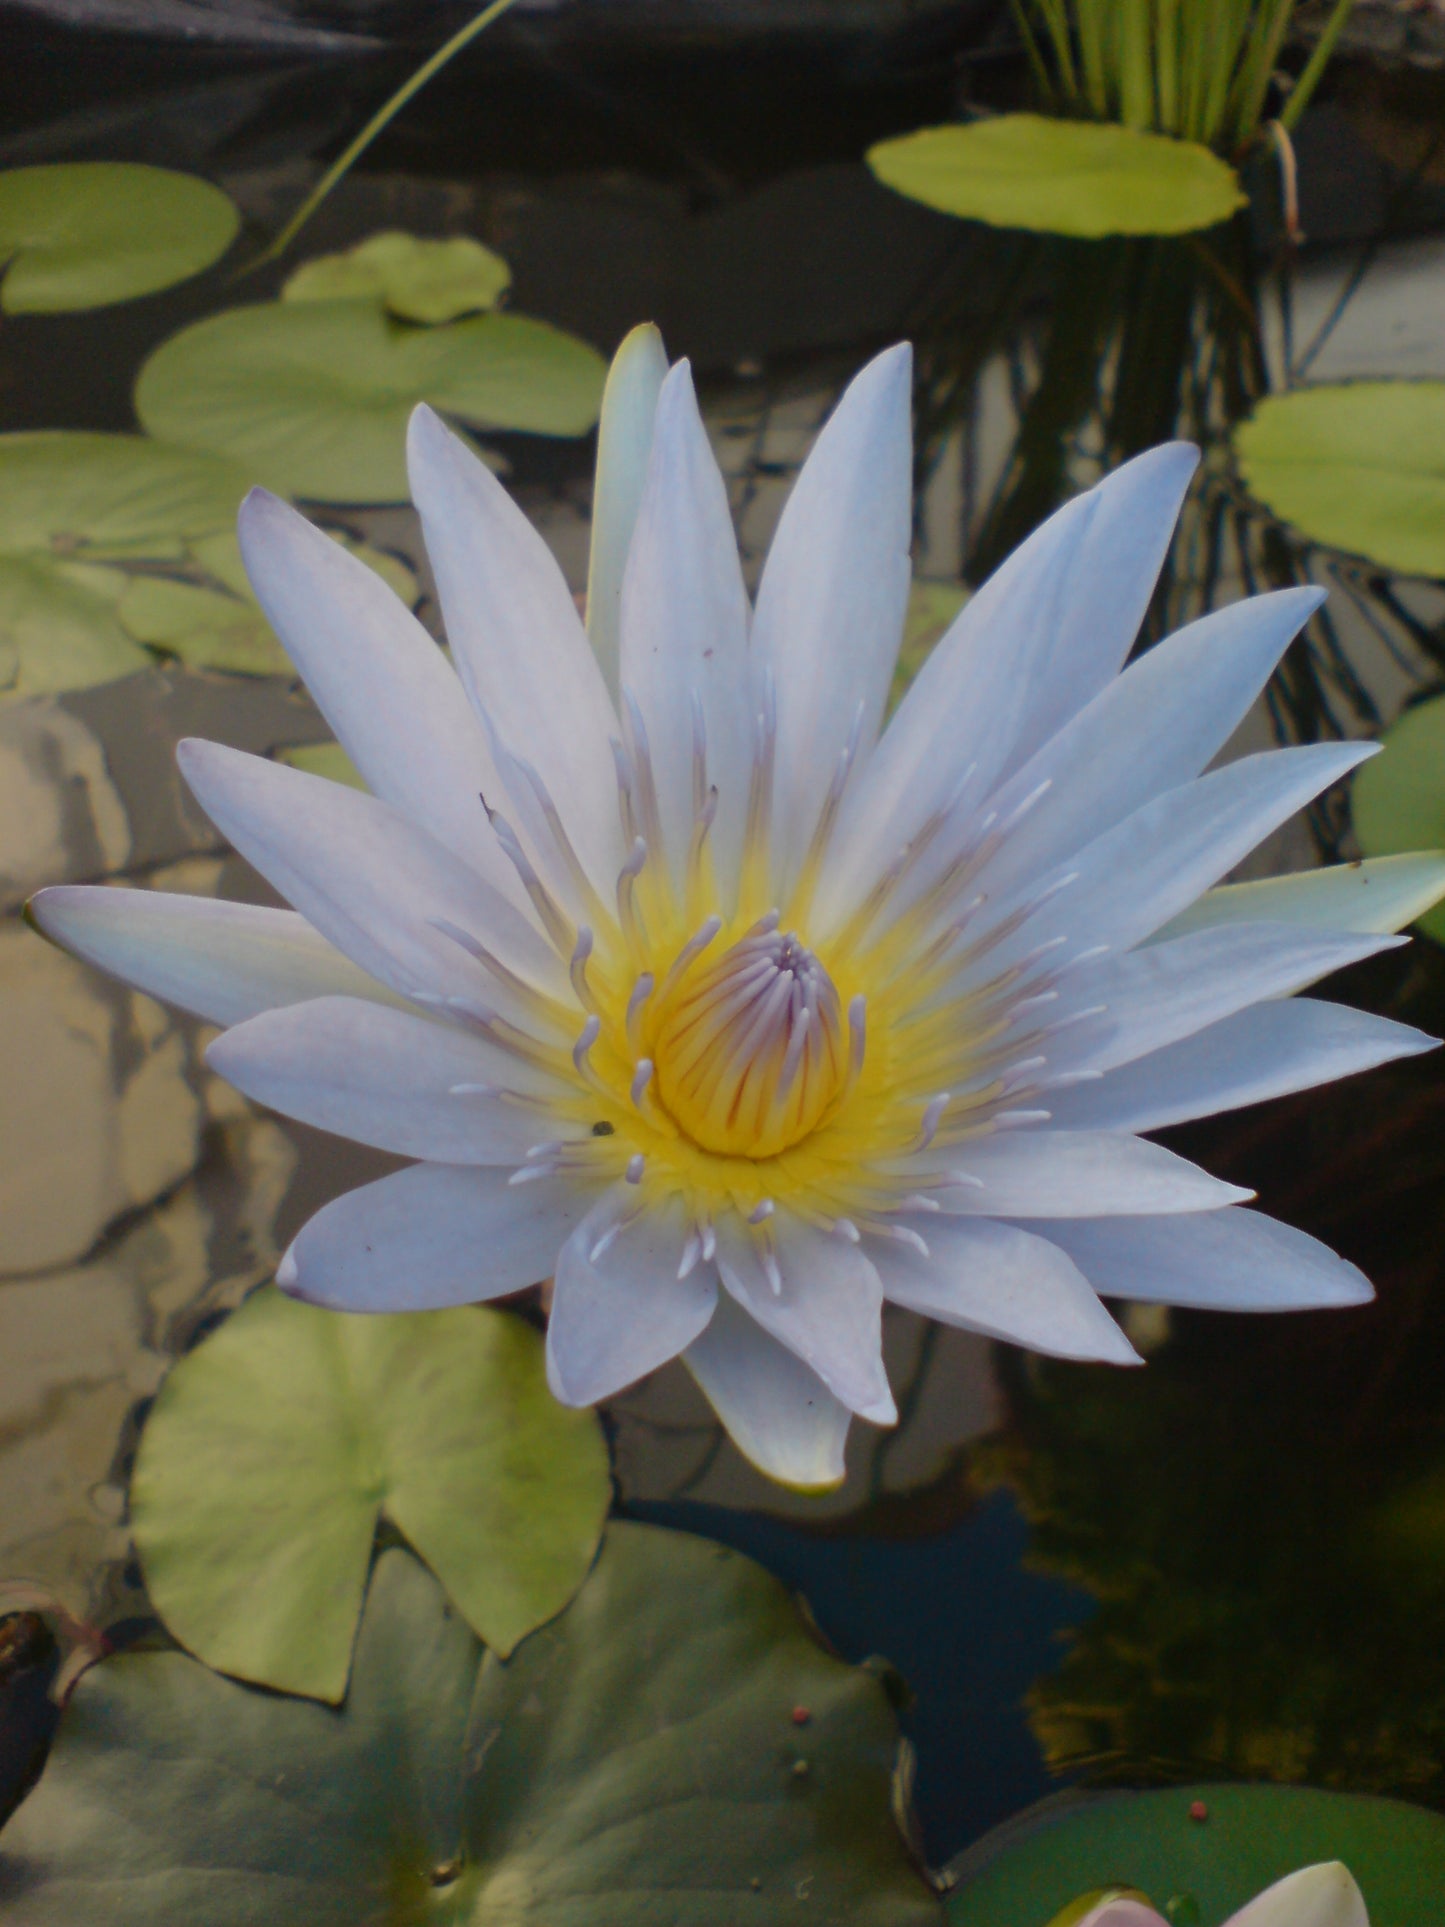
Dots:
pixel 641 1078
pixel 636 1165
pixel 627 912
pixel 761 1211
pixel 691 1252
pixel 932 1117
pixel 641 991
pixel 554 920
pixel 577 969
pixel 526 993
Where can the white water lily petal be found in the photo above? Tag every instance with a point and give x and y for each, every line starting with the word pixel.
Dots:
pixel 1322 1896
pixel 431 1236
pixel 1266 1051
pixel 1214 1260
pixel 619 1313
pixel 221 961
pixel 382 1077
pixel 1087 1174
pixel 519 644
pixel 624 440
pixel 1003 1281
pixel 778 1413
pixel 391 698
pixel 685 630
pixel 828 1308
pixel 834 591
pixel 1380 893
pixel 1122 1913
pixel 372 883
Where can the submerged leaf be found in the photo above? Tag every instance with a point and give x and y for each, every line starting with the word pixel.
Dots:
pixel 635 1761
pixel 277 1444
pixel 83 234
pixel 1359 465
pixel 1073 177
pixel 1397 801
pixel 313 397
pixel 413 278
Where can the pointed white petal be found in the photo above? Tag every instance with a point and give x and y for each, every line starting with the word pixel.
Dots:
pixel 620 1315
pixel 778 1413
pixel 1088 1174
pixel 828 1310
pixel 371 882
pixel 385 1078
pixel 624 438
pixel 431 1236
pixel 518 641
pixel 1382 893
pixel 1003 1281
pixel 834 590
pixel 1122 1913
pixel 685 629
pixel 1322 1896
pixel 390 696
pixel 1167 991
pixel 1215 1260
pixel 221 961
pixel 1266 1051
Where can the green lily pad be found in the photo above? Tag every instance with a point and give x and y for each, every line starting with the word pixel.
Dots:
pixel 412 278
pixel 274 1448
pixel 933 602
pixel 1397 801
pixel 59 628
pixel 1252 1836
pixel 1073 177
pixel 635 1761
pixel 312 397
pixel 1359 465
pixel 84 234
pixel 323 759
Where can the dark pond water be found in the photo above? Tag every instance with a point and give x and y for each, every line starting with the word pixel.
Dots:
pixel 1232 1563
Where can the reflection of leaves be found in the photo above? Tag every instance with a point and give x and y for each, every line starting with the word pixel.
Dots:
pixel 86 233
pixel 1397 801
pixel 633 1761
pixel 1252 1836
pixel 412 278
pixel 274 1447
pixel 1074 177
pixel 1358 465
pixel 313 397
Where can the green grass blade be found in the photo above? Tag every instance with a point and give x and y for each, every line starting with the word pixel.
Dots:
pixel 1318 60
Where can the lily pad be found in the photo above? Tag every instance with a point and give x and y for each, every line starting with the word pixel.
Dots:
pixel 84 234
pixel 59 628
pixel 323 759
pixel 275 1447
pixel 1251 1837
pixel 933 602
pixel 312 397
pixel 1359 465
pixel 635 1761
pixel 1073 177
pixel 1397 801
pixel 412 278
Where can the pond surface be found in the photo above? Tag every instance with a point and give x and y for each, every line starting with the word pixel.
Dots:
pixel 1229 1564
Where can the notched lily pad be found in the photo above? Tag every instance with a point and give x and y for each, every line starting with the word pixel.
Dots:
pixel 1072 177
pixel 1397 801
pixel 84 234
pixel 1202 1870
pixel 275 1447
pixel 313 397
pixel 634 1761
pixel 1359 465
pixel 411 277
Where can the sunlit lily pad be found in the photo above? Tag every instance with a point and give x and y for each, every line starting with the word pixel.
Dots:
pixel 1203 1870
pixel 1359 465
pixel 933 602
pixel 59 628
pixel 84 234
pixel 412 278
pixel 636 1761
pixel 276 1445
pixel 1074 177
pixel 323 759
pixel 312 397
pixel 1397 801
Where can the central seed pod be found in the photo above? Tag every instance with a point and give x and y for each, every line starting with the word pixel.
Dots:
pixel 750 1050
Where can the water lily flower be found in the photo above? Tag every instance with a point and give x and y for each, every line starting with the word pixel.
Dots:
pixel 685 981
pixel 1322 1896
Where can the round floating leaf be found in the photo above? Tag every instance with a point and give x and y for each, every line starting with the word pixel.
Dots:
pixel 1359 465
pixel 105 497
pixel 1074 177
pixel 274 1447
pixel 312 397
pixel 323 759
pixel 86 233
pixel 1203 1870
pixel 1398 799
pixel 635 1761
pixel 59 628
pixel 415 279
